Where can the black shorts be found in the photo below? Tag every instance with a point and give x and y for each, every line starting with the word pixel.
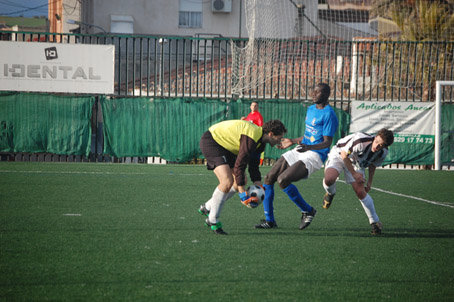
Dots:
pixel 215 154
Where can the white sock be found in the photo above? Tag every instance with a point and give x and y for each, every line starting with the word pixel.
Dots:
pixel 329 189
pixel 226 197
pixel 230 194
pixel 214 205
pixel 368 205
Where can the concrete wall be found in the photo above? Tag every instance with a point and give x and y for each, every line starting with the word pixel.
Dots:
pixel 160 17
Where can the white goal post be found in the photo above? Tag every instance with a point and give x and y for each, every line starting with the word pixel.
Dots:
pixel 438 92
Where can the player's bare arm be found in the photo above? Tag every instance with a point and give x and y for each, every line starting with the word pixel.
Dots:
pixel 371 176
pixel 327 140
pixel 288 142
pixel 348 164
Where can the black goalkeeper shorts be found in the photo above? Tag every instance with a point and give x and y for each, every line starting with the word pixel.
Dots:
pixel 215 154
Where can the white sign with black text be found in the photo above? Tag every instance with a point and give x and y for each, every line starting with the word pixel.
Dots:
pixel 412 122
pixel 52 67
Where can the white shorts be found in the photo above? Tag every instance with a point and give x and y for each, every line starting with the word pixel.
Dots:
pixel 310 159
pixel 335 161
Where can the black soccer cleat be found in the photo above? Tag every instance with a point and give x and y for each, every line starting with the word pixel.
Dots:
pixel 203 210
pixel 215 227
pixel 376 228
pixel 266 224
pixel 306 218
pixel 327 200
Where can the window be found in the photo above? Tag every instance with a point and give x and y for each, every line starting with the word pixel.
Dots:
pixel 190 19
pixel 190 14
pixel 121 24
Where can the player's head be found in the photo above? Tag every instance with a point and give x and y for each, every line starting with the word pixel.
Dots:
pixel 321 93
pixel 384 139
pixel 275 129
pixel 275 126
pixel 254 106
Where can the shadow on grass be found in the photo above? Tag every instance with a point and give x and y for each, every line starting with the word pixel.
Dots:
pixel 418 233
pixel 356 232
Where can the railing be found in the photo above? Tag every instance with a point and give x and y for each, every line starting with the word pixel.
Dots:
pixel 159 66
pixel 202 67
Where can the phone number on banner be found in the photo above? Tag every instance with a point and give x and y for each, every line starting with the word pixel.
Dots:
pixel 414 138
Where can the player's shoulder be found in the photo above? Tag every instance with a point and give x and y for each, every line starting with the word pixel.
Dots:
pixel 312 107
pixel 361 140
pixel 327 110
pixel 330 115
pixel 330 109
pixel 363 135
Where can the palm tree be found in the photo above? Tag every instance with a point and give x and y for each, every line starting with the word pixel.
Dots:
pixel 431 22
pixel 419 20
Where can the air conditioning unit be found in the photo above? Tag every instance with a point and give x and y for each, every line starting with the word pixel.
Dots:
pixel 221 6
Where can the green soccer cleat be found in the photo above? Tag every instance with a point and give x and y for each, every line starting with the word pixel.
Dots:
pixel 215 227
pixel 203 210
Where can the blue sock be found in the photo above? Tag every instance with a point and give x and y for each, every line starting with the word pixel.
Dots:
pixel 268 202
pixel 296 197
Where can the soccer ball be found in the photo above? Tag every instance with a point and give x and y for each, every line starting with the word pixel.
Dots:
pixel 256 191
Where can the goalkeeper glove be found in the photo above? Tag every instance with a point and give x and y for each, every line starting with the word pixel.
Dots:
pixel 250 202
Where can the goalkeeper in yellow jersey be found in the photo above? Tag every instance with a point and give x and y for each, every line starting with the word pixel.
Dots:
pixel 229 147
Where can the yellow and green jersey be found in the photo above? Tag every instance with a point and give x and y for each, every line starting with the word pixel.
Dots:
pixel 228 134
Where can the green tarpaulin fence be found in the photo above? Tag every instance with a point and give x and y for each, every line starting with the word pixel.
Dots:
pixel 168 128
pixel 47 123
pixel 171 128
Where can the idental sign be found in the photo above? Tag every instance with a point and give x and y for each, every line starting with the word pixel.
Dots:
pixel 52 67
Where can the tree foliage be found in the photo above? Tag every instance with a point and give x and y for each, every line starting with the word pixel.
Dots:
pixel 419 20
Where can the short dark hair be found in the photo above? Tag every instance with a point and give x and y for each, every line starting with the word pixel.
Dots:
pixel 387 136
pixel 325 91
pixel 275 126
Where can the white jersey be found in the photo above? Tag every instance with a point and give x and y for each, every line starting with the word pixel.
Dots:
pixel 358 147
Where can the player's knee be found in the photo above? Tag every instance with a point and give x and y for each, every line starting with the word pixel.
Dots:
pixel 360 193
pixel 268 180
pixel 226 184
pixel 283 182
pixel 329 181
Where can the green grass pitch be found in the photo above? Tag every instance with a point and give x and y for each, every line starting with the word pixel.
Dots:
pixel 116 232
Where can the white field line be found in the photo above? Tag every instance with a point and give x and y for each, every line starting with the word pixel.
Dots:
pixel 411 197
pixel 100 173
pixel 68 172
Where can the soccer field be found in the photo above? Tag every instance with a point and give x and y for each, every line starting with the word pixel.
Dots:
pixel 117 232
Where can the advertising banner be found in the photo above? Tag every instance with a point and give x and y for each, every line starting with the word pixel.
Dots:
pixel 411 122
pixel 52 67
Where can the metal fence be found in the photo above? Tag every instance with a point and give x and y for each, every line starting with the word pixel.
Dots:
pixel 365 69
pixel 201 67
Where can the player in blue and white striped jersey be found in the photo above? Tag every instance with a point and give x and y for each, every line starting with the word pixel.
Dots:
pixel 352 155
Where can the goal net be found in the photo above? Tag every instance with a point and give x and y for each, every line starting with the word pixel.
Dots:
pixel 273 26
pixel 360 48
